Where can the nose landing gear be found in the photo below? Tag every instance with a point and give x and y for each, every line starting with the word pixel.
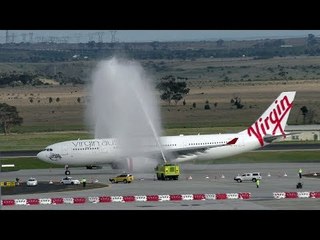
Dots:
pixel 67 171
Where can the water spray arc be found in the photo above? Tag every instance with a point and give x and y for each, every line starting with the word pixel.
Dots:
pixel 124 106
pixel 152 127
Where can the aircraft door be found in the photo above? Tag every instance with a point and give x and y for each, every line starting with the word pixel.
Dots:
pixel 64 150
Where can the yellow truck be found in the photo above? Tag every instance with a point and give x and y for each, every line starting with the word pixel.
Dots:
pixel 167 171
pixel 8 184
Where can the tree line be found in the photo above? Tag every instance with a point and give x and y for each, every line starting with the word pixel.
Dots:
pixel 267 48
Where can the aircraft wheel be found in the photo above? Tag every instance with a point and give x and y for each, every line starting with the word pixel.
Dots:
pixel 67 172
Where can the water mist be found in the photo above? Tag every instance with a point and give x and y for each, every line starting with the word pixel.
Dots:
pixel 124 107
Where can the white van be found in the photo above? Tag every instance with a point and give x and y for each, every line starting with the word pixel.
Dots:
pixel 248 177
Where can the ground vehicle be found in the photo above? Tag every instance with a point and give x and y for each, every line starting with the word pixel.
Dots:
pixel 167 171
pixel 69 180
pixel 32 182
pixel 248 177
pixel 125 178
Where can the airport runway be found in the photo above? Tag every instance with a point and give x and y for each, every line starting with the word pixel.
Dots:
pixel 215 178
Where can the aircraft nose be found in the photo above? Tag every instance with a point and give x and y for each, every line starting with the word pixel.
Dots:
pixel 40 155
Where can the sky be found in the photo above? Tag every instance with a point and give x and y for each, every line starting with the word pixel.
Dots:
pixel 149 35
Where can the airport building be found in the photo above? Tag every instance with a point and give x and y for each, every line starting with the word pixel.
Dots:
pixel 304 132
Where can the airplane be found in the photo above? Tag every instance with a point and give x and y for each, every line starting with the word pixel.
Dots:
pixel 93 152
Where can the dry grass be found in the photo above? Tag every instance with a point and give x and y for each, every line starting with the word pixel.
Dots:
pixel 41 112
pixel 255 96
pixel 256 99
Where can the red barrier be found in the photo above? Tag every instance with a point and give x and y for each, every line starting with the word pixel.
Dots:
pixel 129 198
pixel 33 201
pixel 199 196
pixel 105 199
pixel 175 197
pixel 314 194
pixel 221 196
pixel 291 195
pixel 244 195
pixel 154 198
pixel 79 200
pixel 8 202
pixel 56 200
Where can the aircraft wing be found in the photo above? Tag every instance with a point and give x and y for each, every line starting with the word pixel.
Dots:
pixel 198 149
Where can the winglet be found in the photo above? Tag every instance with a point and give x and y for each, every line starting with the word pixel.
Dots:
pixel 233 141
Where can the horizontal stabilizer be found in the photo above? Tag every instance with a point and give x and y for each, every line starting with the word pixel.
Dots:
pixel 270 138
pixel 233 141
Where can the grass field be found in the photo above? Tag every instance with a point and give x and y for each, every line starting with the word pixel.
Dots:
pixel 250 79
pixel 69 115
pixel 27 163
pixel 37 141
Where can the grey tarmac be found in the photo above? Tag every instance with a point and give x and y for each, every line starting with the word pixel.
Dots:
pixel 215 178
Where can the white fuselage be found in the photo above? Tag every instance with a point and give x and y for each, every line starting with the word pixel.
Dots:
pixel 102 151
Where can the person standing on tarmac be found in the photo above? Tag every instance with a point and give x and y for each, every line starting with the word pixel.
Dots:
pixel 258 183
pixel 300 173
pixel 84 181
